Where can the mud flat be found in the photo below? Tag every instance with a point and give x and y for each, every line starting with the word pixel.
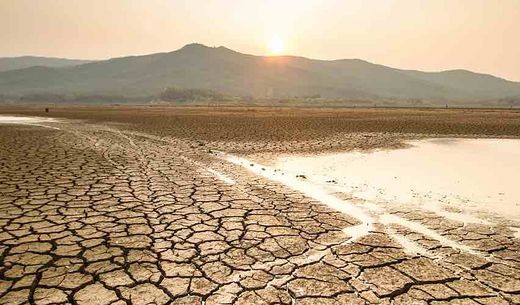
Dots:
pixel 166 206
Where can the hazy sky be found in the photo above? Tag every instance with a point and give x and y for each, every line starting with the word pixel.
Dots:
pixel 479 35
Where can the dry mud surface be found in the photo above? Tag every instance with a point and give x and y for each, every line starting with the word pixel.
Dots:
pixel 134 207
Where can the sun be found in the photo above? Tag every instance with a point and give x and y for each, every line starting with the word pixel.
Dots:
pixel 276 46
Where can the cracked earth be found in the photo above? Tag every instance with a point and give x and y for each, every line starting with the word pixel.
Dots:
pixel 98 214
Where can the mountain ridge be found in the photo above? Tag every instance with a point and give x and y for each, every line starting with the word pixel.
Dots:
pixel 22 62
pixel 234 73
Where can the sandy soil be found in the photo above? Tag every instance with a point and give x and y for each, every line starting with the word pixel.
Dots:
pixel 132 205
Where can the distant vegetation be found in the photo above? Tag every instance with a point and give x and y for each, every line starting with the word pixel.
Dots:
pixel 205 97
pixel 169 95
pixel 189 95
pixel 53 98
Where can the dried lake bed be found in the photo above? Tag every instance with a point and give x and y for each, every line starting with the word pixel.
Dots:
pixel 105 207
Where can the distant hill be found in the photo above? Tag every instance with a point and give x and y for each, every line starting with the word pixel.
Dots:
pixel 16 63
pixel 223 70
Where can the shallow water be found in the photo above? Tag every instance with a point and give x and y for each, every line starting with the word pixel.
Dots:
pixel 22 120
pixel 469 174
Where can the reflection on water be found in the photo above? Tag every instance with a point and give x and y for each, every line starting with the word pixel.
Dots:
pixel 470 174
pixel 22 120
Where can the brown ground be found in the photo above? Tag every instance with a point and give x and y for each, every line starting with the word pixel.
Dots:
pixel 313 127
pixel 121 209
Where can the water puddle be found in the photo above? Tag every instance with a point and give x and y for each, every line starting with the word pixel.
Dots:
pixel 473 175
pixel 33 121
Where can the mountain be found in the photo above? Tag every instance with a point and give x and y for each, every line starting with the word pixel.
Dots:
pixel 230 72
pixel 16 63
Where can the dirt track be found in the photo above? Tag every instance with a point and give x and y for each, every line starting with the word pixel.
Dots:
pixel 134 209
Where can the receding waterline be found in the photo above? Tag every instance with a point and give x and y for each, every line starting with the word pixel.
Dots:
pixel 313 191
pixel 369 214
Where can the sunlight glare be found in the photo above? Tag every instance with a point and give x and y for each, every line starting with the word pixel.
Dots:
pixel 276 46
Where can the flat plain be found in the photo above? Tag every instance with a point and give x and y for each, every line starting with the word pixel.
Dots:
pixel 135 205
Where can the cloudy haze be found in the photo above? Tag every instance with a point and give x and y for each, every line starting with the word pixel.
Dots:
pixel 478 35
